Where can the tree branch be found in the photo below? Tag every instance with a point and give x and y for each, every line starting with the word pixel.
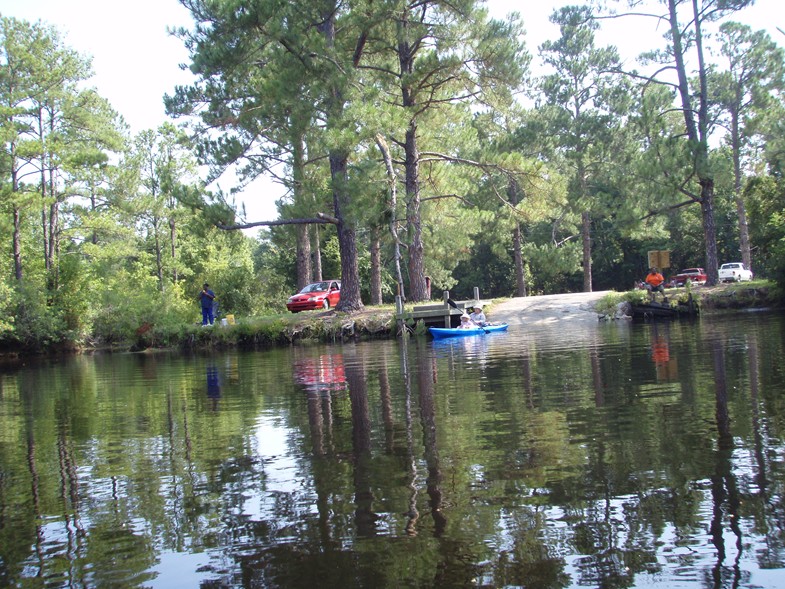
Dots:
pixel 320 219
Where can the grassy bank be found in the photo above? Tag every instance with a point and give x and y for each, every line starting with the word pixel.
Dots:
pixel 376 322
pixel 285 329
pixel 379 322
pixel 710 299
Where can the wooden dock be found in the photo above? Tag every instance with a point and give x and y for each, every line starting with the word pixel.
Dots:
pixel 435 314
pixel 664 310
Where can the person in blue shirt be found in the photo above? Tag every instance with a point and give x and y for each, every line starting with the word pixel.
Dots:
pixel 207 297
pixel 477 316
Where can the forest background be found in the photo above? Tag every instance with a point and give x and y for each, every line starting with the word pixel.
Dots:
pixel 411 140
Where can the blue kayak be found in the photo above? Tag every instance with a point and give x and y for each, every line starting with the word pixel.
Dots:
pixel 442 332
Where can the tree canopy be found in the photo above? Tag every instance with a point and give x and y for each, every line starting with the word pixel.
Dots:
pixel 422 147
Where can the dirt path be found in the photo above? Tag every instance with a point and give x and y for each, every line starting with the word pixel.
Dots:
pixel 562 310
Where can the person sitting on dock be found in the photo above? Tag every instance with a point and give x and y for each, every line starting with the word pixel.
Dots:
pixel 477 316
pixel 654 284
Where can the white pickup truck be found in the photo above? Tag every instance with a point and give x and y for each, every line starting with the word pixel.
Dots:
pixel 734 272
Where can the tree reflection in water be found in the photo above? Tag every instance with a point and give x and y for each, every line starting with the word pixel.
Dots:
pixel 724 489
pixel 640 455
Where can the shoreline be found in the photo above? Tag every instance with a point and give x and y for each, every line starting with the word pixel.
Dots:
pixel 560 311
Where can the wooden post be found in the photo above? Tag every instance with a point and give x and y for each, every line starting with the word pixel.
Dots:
pixel 399 312
pixel 445 297
pixel 477 294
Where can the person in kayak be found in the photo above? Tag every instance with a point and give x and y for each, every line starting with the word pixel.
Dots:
pixel 466 322
pixel 477 316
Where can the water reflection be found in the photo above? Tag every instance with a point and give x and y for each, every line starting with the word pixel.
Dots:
pixel 426 377
pixel 636 455
pixel 364 516
pixel 213 385
pixel 320 372
pixel 724 490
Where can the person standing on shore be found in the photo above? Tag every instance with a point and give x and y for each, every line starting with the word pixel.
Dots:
pixel 207 297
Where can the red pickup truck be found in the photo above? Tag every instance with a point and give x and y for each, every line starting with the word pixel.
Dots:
pixel 693 275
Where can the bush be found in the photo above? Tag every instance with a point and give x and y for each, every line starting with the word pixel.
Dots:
pixel 37 325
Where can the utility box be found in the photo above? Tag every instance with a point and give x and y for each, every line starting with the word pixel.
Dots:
pixel 659 259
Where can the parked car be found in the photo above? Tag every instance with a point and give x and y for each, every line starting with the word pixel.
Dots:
pixel 692 275
pixel 317 295
pixel 734 272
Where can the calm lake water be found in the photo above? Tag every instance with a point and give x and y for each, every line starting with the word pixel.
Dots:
pixel 613 455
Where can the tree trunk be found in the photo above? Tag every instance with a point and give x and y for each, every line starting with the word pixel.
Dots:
pixel 45 233
pixel 53 264
pixel 347 240
pixel 709 230
pixel 93 209
pixel 316 253
pixel 376 266
pixel 158 257
pixel 44 184
pixel 303 258
pixel 54 243
pixel 418 290
pixel 586 240
pixel 741 211
pixel 697 132
pixel 513 193
pixel 583 197
pixel 303 261
pixel 393 206
pixel 520 276
pixel 173 249
pixel 17 244
pixel 417 286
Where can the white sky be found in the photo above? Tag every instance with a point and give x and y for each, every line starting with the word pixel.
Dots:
pixel 136 61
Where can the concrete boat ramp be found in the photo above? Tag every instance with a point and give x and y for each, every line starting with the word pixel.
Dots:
pixel 559 310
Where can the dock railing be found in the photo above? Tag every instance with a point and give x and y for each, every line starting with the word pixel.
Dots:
pixel 434 312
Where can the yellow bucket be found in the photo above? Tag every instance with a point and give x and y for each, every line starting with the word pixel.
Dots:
pixel 230 319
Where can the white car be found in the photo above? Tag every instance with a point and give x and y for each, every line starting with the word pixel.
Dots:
pixel 734 272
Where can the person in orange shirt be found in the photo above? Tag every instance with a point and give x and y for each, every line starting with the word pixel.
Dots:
pixel 654 283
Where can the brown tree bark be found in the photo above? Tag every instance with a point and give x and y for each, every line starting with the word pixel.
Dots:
pixel 697 131
pixel 303 262
pixel 347 239
pixel 418 290
pixel 376 266
pixel 586 240
pixel 514 194
pixel 17 244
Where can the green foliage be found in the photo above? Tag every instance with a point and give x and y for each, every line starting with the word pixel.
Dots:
pixel 37 325
pixel 493 274
pixel 131 305
pixel 6 311
pixel 73 296
pixel 766 206
pixel 607 304
pixel 331 258
pixel 555 267
pixel 776 266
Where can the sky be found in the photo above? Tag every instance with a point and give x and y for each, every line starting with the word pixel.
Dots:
pixel 136 61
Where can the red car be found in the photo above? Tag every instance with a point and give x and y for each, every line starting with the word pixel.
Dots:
pixel 693 275
pixel 318 295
